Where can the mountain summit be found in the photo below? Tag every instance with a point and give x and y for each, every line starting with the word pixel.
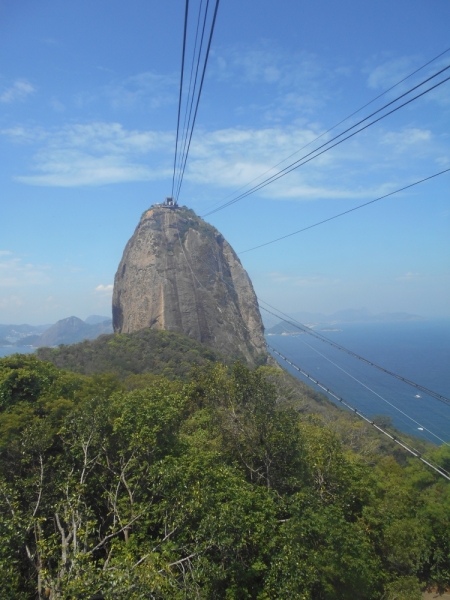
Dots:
pixel 179 273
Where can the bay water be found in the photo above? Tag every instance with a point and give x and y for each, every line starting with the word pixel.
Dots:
pixel 416 350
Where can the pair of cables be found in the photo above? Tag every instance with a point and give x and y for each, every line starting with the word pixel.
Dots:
pixel 392 436
pixel 405 445
pixel 354 129
pixel 191 85
pixel 303 328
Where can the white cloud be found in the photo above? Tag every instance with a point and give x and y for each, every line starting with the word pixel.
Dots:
pixel 15 273
pixel 105 153
pixel 95 154
pixel 149 89
pixel 104 289
pixel 409 276
pixel 5 253
pixel 408 137
pixel 11 302
pixel 288 84
pixel 389 72
pixel 17 92
pixel 57 105
pixel 233 157
pixel 20 134
pixel 265 65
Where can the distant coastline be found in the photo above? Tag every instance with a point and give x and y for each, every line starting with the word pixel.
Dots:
pixel 329 322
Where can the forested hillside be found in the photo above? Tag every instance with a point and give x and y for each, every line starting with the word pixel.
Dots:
pixel 212 486
pixel 145 351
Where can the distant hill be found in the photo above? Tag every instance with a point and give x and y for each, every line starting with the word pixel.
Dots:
pixel 28 340
pixel 13 333
pixel 73 330
pixel 350 315
pixel 145 351
pixel 95 319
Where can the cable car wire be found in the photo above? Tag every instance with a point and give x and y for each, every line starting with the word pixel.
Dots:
pixel 295 165
pixel 334 127
pixel 190 97
pixel 405 445
pixel 291 321
pixel 346 212
pixel 322 338
pixel 357 412
pixel 183 168
pixel 186 13
pixel 375 393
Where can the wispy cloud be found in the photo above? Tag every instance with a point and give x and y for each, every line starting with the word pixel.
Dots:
pixel 285 84
pixel 94 154
pixel 24 135
pixel 57 105
pixel 19 91
pixel 389 72
pixel 104 289
pixel 234 157
pixel 8 302
pixel 411 139
pixel 148 89
pixel 409 276
pixel 106 153
pixel 14 272
pixel 265 64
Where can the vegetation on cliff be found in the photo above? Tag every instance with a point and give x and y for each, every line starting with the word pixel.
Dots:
pixel 210 487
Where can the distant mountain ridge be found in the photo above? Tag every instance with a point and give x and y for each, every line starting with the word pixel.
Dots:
pixel 350 315
pixel 73 330
pixel 13 333
pixel 65 331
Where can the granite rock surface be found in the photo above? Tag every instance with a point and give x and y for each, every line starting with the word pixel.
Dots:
pixel 178 273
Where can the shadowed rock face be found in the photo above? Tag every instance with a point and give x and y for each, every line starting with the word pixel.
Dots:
pixel 178 273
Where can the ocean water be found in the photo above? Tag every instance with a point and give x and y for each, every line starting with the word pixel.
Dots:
pixel 419 351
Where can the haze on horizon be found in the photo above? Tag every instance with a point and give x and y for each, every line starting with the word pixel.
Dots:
pixel 88 100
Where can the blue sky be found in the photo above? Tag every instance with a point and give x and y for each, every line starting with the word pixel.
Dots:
pixel 88 101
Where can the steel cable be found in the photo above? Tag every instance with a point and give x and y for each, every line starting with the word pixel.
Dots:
pixel 297 164
pixel 334 126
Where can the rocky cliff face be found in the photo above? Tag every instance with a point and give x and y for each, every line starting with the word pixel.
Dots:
pixel 178 273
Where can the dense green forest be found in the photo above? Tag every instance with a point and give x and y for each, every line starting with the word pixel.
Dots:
pixel 213 482
pixel 144 351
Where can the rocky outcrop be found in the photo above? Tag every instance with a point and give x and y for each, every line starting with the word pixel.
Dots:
pixel 179 273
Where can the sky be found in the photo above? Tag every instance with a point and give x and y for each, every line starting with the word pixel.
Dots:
pixel 88 108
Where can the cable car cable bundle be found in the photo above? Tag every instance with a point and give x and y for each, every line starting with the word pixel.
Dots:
pixel 440 470
pixel 200 56
pixel 298 163
pixel 180 160
pixel 322 338
pixel 334 126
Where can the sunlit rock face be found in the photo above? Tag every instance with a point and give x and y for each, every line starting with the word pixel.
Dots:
pixel 179 273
